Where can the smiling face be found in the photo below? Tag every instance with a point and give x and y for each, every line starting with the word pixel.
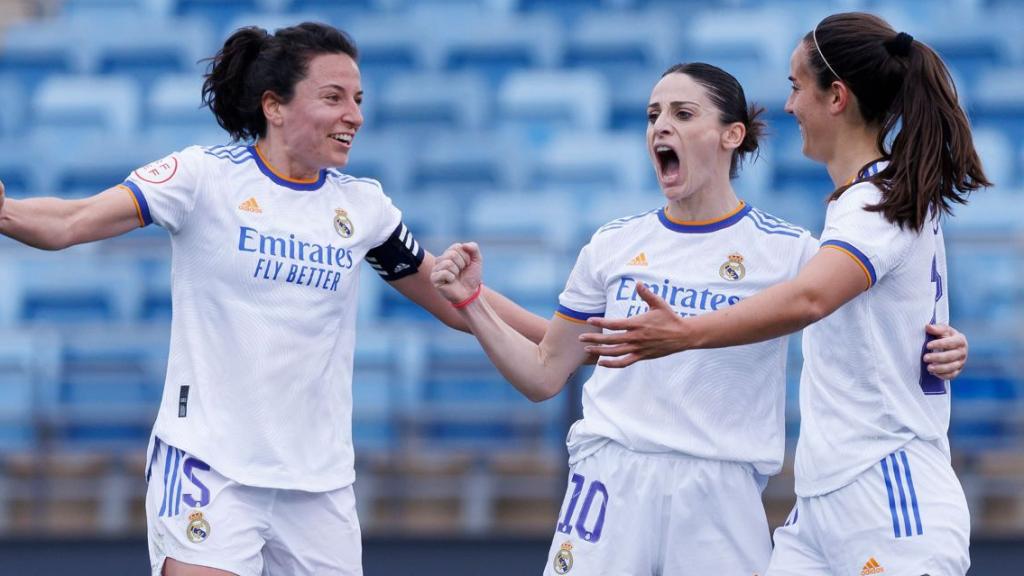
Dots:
pixel 809 104
pixel 318 125
pixel 685 137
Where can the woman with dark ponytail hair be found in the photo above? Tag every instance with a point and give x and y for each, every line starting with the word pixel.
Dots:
pixel 876 491
pixel 251 462
pixel 684 444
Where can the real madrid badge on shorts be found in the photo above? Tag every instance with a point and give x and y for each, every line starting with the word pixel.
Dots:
pixel 198 528
pixel 342 223
pixel 733 269
pixel 563 558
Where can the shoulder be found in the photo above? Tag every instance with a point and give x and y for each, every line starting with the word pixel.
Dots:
pixel 625 225
pixel 339 179
pixel 859 195
pixel 767 224
pixel 229 153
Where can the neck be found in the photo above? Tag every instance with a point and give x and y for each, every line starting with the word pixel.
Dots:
pixel 277 155
pixel 709 204
pixel 856 151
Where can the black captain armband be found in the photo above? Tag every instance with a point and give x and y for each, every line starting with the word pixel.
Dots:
pixel 399 256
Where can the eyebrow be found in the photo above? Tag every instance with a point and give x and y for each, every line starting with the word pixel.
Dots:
pixel 791 79
pixel 675 103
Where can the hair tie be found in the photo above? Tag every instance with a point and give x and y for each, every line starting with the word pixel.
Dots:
pixel 900 45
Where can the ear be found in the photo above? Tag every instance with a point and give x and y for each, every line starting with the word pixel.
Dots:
pixel 733 135
pixel 840 97
pixel 271 104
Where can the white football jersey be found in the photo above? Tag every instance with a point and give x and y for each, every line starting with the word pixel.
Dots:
pixel 864 392
pixel 721 404
pixel 265 275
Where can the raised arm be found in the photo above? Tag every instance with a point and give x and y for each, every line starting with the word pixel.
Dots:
pixel 418 288
pixel 55 223
pixel 538 371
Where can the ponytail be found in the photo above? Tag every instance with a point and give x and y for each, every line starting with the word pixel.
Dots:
pixel 228 90
pixel 901 83
pixel 933 163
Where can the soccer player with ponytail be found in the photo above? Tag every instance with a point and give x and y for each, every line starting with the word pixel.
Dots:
pixel 251 458
pixel 875 489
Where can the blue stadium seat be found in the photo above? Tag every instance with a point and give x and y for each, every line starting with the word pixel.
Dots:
pixel 433 101
pixel 542 101
pixel 467 404
pixel 28 363
pixel 620 42
pixel 435 215
pixel 391 45
pixel 79 107
pixel 109 387
pixel 385 156
pixel 105 161
pixel 74 288
pixel 531 220
pixel 15 108
pixel 742 38
pixel 464 159
pixel 175 100
pixel 28 164
pixel 494 44
pixel 591 161
pixel 385 383
pixel 997 153
pixel 34 50
pixel 145 48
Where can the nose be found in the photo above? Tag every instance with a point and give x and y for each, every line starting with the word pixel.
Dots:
pixel 789 104
pixel 353 115
pixel 661 124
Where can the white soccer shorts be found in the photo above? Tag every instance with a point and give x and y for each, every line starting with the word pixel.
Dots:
pixel 905 516
pixel 627 513
pixel 197 516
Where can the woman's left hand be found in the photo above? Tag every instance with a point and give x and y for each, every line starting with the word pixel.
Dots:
pixel 655 333
pixel 947 354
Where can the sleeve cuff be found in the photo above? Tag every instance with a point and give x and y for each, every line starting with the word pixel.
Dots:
pixel 574 316
pixel 141 206
pixel 850 250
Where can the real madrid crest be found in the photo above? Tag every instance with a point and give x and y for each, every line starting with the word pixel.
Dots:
pixel 563 559
pixel 733 269
pixel 198 528
pixel 342 224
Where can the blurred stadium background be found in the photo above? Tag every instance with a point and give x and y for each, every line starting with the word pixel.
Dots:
pixel 516 123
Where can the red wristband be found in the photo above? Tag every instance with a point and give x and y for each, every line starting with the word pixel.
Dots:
pixel 468 301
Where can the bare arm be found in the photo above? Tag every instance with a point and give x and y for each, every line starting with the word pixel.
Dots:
pixel 418 288
pixel 538 371
pixel 54 223
pixel 827 282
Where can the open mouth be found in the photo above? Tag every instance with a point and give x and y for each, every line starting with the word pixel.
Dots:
pixel 668 163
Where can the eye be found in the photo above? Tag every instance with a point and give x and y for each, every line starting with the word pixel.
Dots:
pixel 359 100
pixel 333 98
pixel 794 88
pixel 684 114
pixel 652 117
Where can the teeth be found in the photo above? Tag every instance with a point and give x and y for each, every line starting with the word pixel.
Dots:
pixel 662 149
pixel 346 138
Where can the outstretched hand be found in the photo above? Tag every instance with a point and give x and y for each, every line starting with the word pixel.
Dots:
pixel 457 273
pixel 655 333
pixel 947 354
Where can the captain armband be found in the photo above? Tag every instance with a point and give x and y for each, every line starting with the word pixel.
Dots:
pixel 399 256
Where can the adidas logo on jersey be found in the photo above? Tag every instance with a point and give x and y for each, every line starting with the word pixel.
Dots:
pixel 638 260
pixel 871 567
pixel 399 268
pixel 251 205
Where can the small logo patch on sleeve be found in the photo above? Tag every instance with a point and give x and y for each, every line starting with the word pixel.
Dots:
pixel 160 171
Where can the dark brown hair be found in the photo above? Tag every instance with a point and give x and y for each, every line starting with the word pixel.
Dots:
pixel 726 94
pixel 251 62
pixel 900 81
